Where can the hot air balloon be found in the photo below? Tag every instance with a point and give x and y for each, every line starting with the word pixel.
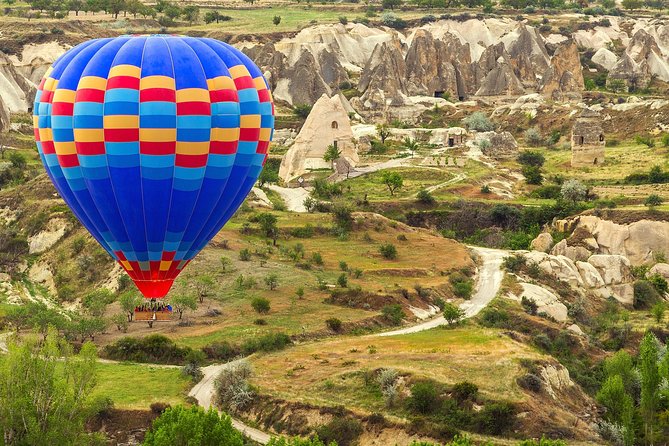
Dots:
pixel 153 142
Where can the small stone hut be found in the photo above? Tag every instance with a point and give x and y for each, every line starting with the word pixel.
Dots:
pixel 587 140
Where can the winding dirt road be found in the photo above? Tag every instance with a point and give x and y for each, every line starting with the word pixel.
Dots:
pixel 488 282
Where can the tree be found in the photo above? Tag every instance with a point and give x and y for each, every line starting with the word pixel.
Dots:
pixel 18 160
pixel 272 281
pixel 211 16
pixel 134 7
pixel 129 301
pixel 384 132
pixel 42 318
pixel 114 7
pixel 182 302
pixel 342 216
pixel 45 392
pixel 268 175
pixel 75 5
pixel 180 426
pixel 573 190
pixel 203 284
pixel 393 313
pixel 332 153
pixel 411 145
pixel 268 225
pixel 297 441
pixel 533 137
pixel 452 314
pixel 658 311
pixel 391 4
pixel 261 305
pixel 96 301
pixel 121 321
pixel 191 13
pixel 86 327
pixel 532 174
pixel 650 381
pixel 172 12
pixel 632 4
pixel 276 20
pixel 425 197
pixel 615 398
pixel 531 158
pixel 302 110
pixel 652 201
pixel 388 251
pixel 392 180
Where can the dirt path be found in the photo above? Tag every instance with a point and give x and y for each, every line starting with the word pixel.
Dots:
pixel 456 179
pixel 203 392
pixel 488 281
pixel 293 197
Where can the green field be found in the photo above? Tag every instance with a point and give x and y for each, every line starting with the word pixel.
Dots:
pixel 136 386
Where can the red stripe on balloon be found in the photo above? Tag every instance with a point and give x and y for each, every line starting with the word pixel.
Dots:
pixel 193 108
pixel 62 109
pixel 244 82
pixel 121 135
pixel 90 95
pixel 223 96
pixel 168 255
pixel 191 160
pixel 157 94
pixel 263 146
pixel 263 95
pixel 223 147
pixel 47 96
pixel 90 148
pixel 123 82
pixel 249 134
pixel 68 160
pixel 48 148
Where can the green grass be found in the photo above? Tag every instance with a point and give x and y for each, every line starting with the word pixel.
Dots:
pixel 414 179
pixel 136 386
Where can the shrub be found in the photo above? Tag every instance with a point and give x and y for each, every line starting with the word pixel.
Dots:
pixel 531 158
pixel 333 324
pixel 659 282
pixel 644 140
pixel 317 258
pixel 424 397
pixel 494 318
pixel 153 348
pixel 244 255
pixel 388 251
pixel 425 197
pixel 573 190
pixel 393 313
pixel 343 266
pixel 464 391
pixel 302 110
pixel 645 294
pixel 496 418
pixel 207 426
pixel 653 200
pixel 463 290
pixel 514 263
pixel 532 175
pixel 530 382
pixel 261 305
pixel 341 430
pixel 269 342
pixel 533 137
pixel 342 280
pixel 221 351
pixel 529 305
pixel 478 121
pixel 232 388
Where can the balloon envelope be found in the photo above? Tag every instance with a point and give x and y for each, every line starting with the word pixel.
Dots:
pixel 153 142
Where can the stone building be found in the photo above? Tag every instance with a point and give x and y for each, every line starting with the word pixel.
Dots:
pixel 327 124
pixel 587 140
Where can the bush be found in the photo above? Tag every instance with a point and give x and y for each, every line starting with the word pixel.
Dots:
pixel 269 342
pixel 302 110
pixel 343 20
pixel 153 348
pixel 644 140
pixel 530 382
pixel 653 200
pixel 514 263
pixel 425 197
pixel 496 418
pixel 532 175
pixel 533 137
pixel 221 351
pixel 424 398
pixel 208 427
pixel 261 305
pixel 531 158
pixel 645 294
pixel 343 431
pixel 233 392
pixel 478 121
pixel 342 280
pixel 464 391
pixel 334 324
pixel 388 251
pixel 529 305
pixel 244 255
pixel 393 313
pixel 494 318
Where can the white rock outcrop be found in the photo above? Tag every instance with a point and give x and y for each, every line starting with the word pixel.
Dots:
pixel 54 231
pixel 543 242
pixel 546 301
pixel 327 124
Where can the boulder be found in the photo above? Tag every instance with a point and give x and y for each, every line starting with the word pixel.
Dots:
pixel 386 72
pixel 576 329
pixel 556 379
pixel 546 301
pixel 591 277
pixel 543 242
pixel 54 231
pixel 560 267
pixel 616 272
pixel 327 124
pixel 502 145
pixel 41 274
pixel 575 253
pixel 660 268
pixel 605 58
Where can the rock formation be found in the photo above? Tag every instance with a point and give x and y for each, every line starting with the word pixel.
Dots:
pixel 16 92
pixel 502 145
pixel 327 124
pixel 563 79
pixel 605 58
pixel 642 60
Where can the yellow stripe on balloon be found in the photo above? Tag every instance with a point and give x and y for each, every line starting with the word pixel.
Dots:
pixel 157 135
pixel 221 83
pixel 193 95
pixel 125 70
pixel 89 135
pixel 224 134
pixel 157 82
pixel 65 148
pixel 121 121
pixel 249 121
pixel 63 95
pixel 92 82
pixel 238 71
pixel 192 148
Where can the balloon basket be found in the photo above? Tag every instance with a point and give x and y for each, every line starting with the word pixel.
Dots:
pixel 153 311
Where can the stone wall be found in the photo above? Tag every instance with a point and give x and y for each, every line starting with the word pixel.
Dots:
pixel 587 141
